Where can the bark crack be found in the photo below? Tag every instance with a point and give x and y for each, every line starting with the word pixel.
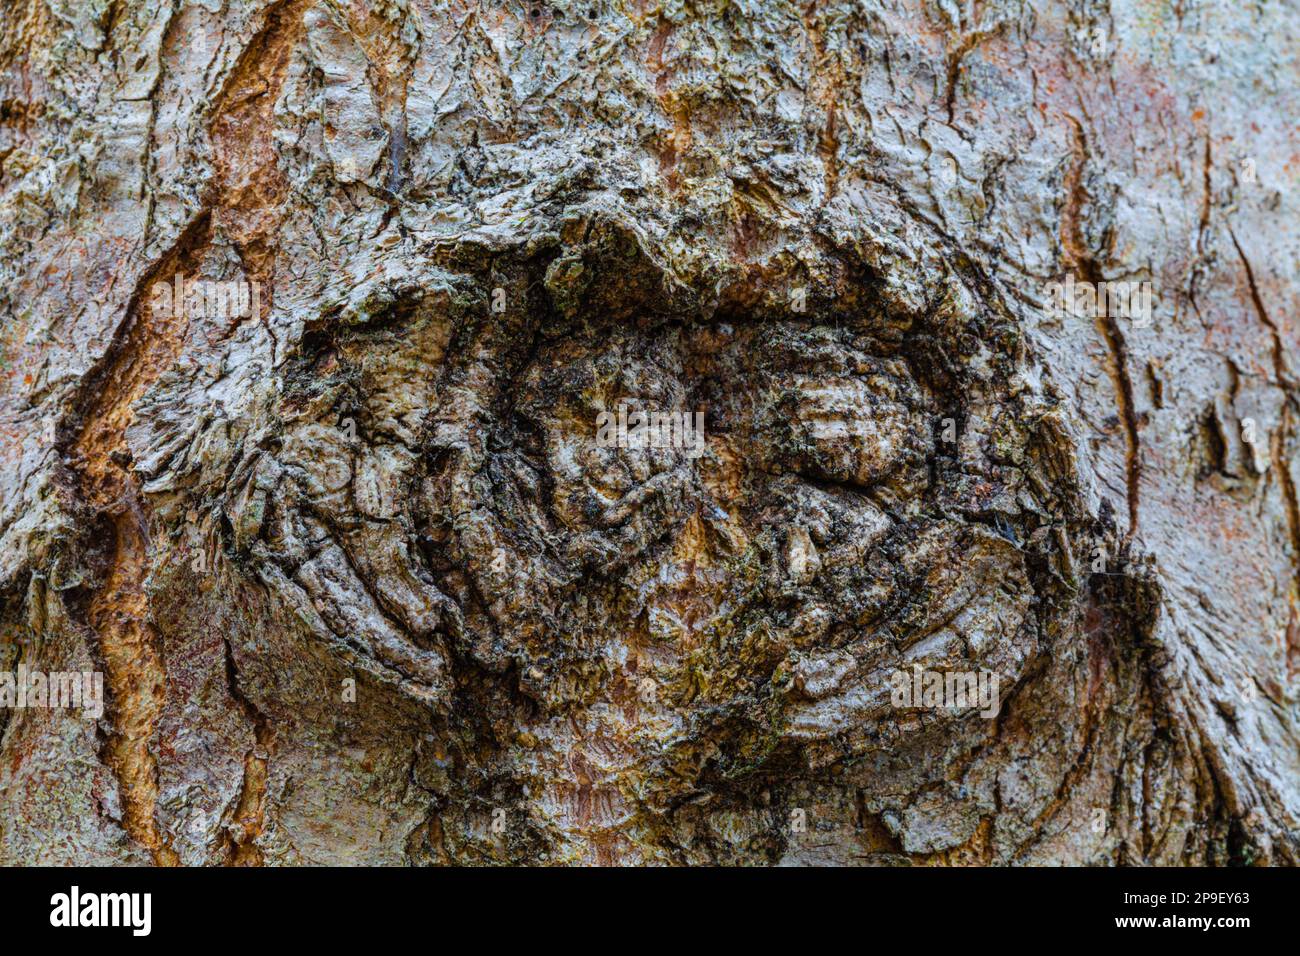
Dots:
pixel 1279 358
pixel 248 819
pixel 1084 265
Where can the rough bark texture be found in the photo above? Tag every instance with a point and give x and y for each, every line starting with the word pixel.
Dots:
pixel 827 226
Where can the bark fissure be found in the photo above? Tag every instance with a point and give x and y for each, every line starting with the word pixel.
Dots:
pixel 1084 264
pixel 1279 358
pixel 248 814
pixel 118 610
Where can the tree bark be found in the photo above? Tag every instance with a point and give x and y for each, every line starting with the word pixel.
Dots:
pixel 366 583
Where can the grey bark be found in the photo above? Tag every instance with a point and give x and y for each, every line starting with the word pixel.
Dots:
pixel 364 585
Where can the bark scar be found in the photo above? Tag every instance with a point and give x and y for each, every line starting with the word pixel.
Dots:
pixel 145 346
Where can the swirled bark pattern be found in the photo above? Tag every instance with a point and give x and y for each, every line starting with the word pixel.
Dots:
pixel 365 584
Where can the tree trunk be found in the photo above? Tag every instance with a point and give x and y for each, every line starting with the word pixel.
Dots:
pixel 318 321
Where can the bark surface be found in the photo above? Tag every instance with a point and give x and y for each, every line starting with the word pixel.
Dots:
pixel 365 587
